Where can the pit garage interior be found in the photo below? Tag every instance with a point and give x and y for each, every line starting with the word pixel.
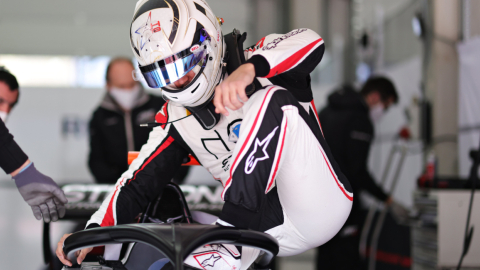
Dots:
pixel 422 152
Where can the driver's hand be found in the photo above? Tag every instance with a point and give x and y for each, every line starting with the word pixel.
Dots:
pixel 231 92
pixel 63 258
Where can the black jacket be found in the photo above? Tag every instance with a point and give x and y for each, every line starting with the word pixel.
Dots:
pixel 11 155
pixel 349 132
pixel 113 133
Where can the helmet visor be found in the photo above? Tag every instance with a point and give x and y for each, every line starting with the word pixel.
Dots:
pixel 168 70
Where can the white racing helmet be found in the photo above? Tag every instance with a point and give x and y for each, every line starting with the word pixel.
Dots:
pixel 171 38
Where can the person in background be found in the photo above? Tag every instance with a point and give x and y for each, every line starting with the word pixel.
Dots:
pixel 115 124
pixel 348 126
pixel 38 190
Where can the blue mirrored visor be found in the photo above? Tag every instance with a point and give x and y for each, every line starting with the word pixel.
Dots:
pixel 172 68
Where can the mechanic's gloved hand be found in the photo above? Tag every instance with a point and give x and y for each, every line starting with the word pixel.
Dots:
pixel 399 212
pixel 41 193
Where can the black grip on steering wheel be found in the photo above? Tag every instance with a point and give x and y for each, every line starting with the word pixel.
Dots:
pixel 175 241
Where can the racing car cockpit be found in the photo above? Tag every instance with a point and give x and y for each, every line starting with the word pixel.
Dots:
pixel 170 243
pixel 165 235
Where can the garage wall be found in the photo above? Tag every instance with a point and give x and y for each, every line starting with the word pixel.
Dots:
pixel 88 27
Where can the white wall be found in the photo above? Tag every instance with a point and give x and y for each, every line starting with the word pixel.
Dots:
pixel 87 27
pixel 37 122
pixel 468 100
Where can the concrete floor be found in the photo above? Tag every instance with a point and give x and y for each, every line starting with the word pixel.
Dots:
pixel 20 232
pixel 304 261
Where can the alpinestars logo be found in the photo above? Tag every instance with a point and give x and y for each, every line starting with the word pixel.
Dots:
pixel 275 42
pixel 211 261
pixel 253 159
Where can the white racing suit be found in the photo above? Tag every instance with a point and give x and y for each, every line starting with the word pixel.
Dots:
pixel 278 173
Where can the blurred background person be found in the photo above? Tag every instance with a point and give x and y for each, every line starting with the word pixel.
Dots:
pixel 38 190
pixel 115 124
pixel 348 126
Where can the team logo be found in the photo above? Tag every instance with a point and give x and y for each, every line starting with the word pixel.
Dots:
pixel 211 261
pixel 194 48
pixel 275 42
pixel 156 27
pixel 234 130
pixel 215 256
pixel 253 158
pixel 147 30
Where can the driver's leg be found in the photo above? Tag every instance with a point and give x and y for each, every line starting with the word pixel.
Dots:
pixel 315 203
pixel 283 175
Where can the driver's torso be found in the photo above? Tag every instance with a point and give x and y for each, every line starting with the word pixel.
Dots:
pixel 213 148
pixel 288 59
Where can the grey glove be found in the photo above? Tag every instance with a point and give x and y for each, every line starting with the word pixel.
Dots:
pixel 41 193
pixel 399 212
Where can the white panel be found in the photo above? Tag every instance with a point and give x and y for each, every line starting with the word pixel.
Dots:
pixel 452 218
pixel 468 98
pixel 41 71
pixel 50 125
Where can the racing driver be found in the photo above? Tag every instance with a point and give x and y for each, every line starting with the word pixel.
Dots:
pixel 252 126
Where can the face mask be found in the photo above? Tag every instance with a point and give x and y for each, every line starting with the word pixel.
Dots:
pixel 376 112
pixel 125 97
pixel 3 116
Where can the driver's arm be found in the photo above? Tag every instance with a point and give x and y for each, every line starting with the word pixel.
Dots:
pixel 145 179
pixel 286 60
pixel 299 51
